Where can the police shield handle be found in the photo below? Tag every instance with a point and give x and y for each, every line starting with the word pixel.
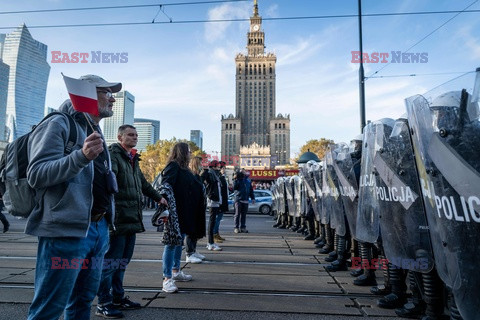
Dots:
pixel 92 146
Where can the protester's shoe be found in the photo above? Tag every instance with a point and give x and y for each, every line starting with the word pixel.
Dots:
pixel 217 239
pixel 181 276
pixel 169 286
pixel 125 304
pixel 199 255
pixel 243 230
pixel 6 226
pixel 236 230
pixel 213 247
pixel 193 259
pixel 220 237
pixel 108 311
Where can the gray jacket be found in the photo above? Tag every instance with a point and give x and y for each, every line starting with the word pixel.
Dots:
pixel 63 184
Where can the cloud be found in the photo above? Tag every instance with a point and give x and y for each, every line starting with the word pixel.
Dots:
pixel 217 30
pixel 272 11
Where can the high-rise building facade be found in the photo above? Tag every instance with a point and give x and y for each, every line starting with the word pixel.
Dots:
pixel 196 136
pixel 255 105
pixel 4 73
pixel 148 132
pixel 27 80
pixel 123 110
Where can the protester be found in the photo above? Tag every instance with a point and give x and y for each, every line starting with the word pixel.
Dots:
pixel 224 205
pixel 214 200
pixel 128 222
pixel 243 191
pixel 193 256
pixel 184 195
pixel 74 203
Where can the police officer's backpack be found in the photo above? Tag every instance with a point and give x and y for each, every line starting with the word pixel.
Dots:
pixel 18 196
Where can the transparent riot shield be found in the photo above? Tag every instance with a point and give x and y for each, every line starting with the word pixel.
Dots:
pixel 326 199
pixel 310 190
pixel 348 187
pixel 368 209
pixel 297 195
pixel 446 141
pixel 281 195
pixel 273 189
pixel 289 188
pixel 403 224
pixel 317 178
pixel 337 213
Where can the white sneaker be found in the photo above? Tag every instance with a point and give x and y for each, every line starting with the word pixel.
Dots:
pixel 169 286
pixel 180 276
pixel 193 259
pixel 213 247
pixel 199 255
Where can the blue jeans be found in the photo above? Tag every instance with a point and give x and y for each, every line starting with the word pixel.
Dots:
pixel 116 260
pixel 217 222
pixel 62 282
pixel 171 258
pixel 240 217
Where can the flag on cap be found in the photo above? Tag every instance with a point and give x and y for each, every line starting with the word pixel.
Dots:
pixel 83 95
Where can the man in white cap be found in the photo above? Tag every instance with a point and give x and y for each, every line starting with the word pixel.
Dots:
pixel 74 194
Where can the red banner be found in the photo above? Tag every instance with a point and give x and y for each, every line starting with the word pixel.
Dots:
pixel 270 174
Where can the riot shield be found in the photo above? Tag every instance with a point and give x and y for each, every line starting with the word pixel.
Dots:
pixel 273 189
pixel 348 187
pixel 326 199
pixel 403 223
pixel 337 213
pixel 317 179
pixel 368 209
pixel 297 195
pixel 289 195
pixel 447 152
pixel 281 195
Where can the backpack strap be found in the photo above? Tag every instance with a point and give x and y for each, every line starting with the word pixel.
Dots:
pixel 72 136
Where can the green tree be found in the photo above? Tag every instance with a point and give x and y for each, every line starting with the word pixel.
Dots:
pixel 154 158
pixel 319 147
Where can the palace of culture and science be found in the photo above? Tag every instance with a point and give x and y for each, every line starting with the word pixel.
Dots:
pixel 255 134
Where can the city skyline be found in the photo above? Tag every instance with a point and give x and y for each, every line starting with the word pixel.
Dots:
pixel 183 73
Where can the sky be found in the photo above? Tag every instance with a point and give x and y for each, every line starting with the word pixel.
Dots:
pixel 183 74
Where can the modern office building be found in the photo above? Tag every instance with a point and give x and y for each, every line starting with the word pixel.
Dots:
pixel 196 136
pixel 4 73
pixel 27 80
pixel 148 132
pixel 255 123
pixel 123 110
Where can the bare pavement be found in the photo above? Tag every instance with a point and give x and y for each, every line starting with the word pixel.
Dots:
pixel 264 274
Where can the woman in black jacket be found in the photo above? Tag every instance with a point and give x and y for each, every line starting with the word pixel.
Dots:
pixel 188 195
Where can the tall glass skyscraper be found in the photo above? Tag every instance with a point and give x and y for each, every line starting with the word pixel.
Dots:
pixel 4 72
pixel 196 136
pixel 148 132
pixel 123 109
pixel 27 80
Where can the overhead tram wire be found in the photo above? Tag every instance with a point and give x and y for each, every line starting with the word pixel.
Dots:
pixel 453 79
pixel 428 35
pixel 236 20
pixel 120 7
pixel 420 74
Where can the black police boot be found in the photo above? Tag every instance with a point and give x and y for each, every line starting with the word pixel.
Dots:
pixel 356 272
pixel 397 298
pixel 384 289
pixel 411 310
pixel 341 263
pixel 368 277
pixel 329 239
pixel 434 292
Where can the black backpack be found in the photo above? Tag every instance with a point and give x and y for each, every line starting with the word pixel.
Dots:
pixel 18 196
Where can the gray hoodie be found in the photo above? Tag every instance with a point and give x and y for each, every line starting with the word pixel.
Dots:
pixel 63 184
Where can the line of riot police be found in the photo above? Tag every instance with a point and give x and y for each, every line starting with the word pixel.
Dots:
pixel 403 199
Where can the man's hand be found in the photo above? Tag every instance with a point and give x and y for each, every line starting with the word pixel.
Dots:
pixel 92 146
